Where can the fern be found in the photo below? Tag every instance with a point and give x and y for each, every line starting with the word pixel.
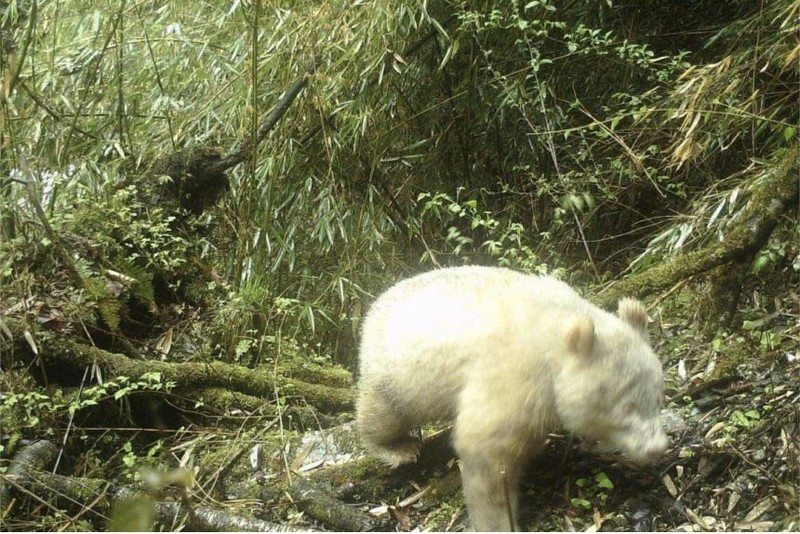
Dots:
pixel 108 307
pixel 142 289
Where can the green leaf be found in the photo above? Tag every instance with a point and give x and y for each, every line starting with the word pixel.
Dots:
pixel 152 376
pixel 603 481
pixel 752 414
pixel 580 503
pixel 760 262
pixel 740 419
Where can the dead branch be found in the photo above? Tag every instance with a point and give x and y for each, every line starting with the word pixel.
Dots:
pixel 207 519
pixel 372 481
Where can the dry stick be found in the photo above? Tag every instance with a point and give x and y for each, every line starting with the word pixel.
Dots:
pixel 13 480
pixel 394 211
pixel 279 403
pixel 88 508
pixel 52 112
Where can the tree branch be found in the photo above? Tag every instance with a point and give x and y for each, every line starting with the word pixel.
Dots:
pixel 244 149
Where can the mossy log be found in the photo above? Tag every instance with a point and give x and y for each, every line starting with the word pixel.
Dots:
pixel 769 201
pixel 301 416
pixel 327 388
pixel 192 376
pixel 31 456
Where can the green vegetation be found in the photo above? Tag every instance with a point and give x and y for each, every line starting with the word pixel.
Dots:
pixel 596 488
pixel 199 200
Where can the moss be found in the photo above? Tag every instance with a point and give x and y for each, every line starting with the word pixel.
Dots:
pixel 329 375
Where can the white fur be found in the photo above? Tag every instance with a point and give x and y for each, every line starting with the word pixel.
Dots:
pixel 508 357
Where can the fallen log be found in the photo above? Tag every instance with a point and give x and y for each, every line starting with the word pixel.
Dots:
pixel 193 376
pixel 327 388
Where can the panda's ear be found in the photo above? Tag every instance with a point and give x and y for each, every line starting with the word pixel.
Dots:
pixel 634 313
pixel 580 336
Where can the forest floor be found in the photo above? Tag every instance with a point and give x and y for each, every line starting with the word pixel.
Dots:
pixel 275 462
